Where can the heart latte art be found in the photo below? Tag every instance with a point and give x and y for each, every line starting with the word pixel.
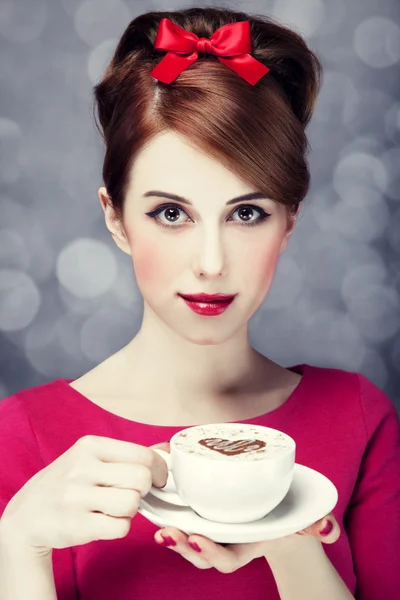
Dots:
pixel 232 447
pixel 233 442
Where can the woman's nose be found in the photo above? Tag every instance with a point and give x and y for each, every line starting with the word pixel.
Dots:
pixel 209 259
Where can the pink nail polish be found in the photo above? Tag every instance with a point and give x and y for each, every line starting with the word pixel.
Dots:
pixel 195 546
pixel 327 529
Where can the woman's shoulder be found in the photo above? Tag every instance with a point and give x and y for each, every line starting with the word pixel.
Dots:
pixel 17 416
pixel 352 382
pixel 21 399
pixel 34 417
pixel 352 394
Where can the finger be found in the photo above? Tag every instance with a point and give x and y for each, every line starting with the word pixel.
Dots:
pixel 168 535
pixel 227 558
pixel 322 525
pixel 163 446
pixel 159 467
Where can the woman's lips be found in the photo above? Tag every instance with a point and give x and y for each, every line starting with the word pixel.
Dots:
pixel 208 297
pixel 208 309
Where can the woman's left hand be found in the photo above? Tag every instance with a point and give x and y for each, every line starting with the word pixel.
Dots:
pixel 227 558
pixel 230 557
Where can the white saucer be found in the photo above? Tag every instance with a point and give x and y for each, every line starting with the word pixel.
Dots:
pixel 311 497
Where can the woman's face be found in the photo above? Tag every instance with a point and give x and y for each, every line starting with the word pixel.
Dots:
pixel 205 246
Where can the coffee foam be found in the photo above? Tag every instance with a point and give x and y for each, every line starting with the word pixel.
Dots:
pixel 250 443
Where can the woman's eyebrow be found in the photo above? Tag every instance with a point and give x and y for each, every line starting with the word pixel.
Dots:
pixel 250 196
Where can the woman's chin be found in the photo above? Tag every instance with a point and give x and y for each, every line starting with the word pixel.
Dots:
pixel 205 336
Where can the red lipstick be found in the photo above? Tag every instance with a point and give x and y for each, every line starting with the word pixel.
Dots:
pixel 208 305
pixel 208 297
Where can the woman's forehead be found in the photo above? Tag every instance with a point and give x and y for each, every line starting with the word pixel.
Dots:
pixel 170 163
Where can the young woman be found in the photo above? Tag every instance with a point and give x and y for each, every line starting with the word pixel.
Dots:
pixel 203 113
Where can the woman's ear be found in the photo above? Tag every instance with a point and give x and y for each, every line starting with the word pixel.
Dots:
pixel 291 223
pixel 113 224
pixel 103 197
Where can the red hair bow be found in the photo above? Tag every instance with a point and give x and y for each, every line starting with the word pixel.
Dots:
pixel 232 41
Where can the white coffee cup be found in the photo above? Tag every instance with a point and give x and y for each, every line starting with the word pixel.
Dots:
pixel 231 472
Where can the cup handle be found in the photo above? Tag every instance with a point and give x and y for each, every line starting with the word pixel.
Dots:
pixel 170 485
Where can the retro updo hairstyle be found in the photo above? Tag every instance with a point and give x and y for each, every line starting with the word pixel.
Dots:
pixel 258 132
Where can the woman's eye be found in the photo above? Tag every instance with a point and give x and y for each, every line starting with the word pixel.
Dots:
pixel 171 214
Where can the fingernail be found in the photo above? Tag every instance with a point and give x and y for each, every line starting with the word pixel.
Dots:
pixel 168 540
pixel 195 546
pixel 327 529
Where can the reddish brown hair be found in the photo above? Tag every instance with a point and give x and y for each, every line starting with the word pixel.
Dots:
pixel 258 132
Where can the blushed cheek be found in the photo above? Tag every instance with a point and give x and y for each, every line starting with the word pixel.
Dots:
pixel 146 263
pixel 264 266
pixel 269 260
pixel 153 267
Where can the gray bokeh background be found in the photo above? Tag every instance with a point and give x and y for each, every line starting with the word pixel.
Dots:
pixel 68 297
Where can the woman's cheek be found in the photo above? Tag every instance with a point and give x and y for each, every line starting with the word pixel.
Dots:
pixel 145 263
pixel 264 269
pixel 269 260
pixel 153 265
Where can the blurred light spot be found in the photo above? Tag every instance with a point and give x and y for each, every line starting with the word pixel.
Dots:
pixel 333 18
pixel 77 172
pixel 125 291
pixel 22 22
pixel 283 333
pixel 70 6
pixel 19 300
pixel 79 306
pixel 374 368
pixel 286 284
pixel 366 144
pixel 87 268
pixel 361 214
pixel 376 309
pixel 99 58
pixel 68 330
pixel 361 276
pixel 44 351
pixel 324 200
pixel 395 354
pixel 328 257
pixel 32 249
pixel 393 233
pixel 359 169
pixel 377 42
pixel 10 141
pixel 391 161
pixel 371 112
pixel 11 212
pixel 14 253
pixel 25 243
pixel 305 16
pixel 392 122
pixel 338 99
pixel 332 338
pixel 106 331
pixel 96 20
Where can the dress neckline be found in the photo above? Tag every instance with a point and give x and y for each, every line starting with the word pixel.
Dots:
pixel 302 369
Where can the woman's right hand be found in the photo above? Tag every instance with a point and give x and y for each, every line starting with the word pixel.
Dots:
pixel 91 492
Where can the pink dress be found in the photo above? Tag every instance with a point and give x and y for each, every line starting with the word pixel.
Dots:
pixel 344 427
